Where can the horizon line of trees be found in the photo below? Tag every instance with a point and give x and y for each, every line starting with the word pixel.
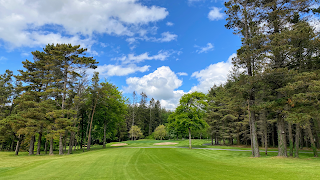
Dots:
pixel 51 103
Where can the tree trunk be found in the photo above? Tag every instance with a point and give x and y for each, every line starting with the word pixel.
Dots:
pixel 51 146
pixel 306 139
pixel 71 142
pixel 104 134
pixel 88 125
pixel 317 128
pixel 12 144
pixel 45 147
pixel 297 141
pixel 132 121
pixel 313 145
pixel 254 135
pixel 39 144
pixel 190 146
pixel 290 139
pixel 301 138
pixel 211 139
pixel 150 131
pixel 273 136
pixel 252 151
pixel 216 140
pixel 62 107
pixel 75 144
pixel 60 145
pixel 238 138
pixel 282 143
pixel 65 141
pixel 265 130
pixel 31 147
pixel 254 139
pixel 18 145
pixel 89 137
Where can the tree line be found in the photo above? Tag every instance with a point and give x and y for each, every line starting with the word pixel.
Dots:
pixel 52 103
pixel 272 94
pixel 146 115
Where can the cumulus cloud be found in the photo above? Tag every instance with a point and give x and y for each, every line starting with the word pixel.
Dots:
pixel 167 37
pixel 205 49
pixel 169 24
pixel 118 70
pixel 182 74
pixel 214 74
pixel 26 23
pixel 215 14
pixel 160 84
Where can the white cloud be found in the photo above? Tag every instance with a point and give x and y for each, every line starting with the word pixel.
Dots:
pixel 214 74
pixel 26 22
pixel 167 37
pixel 131 40
pixel 182 74
pixel 169 24
pixel 104 45
pixel 315 23
pixel 172 103
pixel 25 54
pixel 2 58
pixel 215 14
pixel 118 70
pixel 161 84
pixel 205 49
pixel 132 58
pixel 193 1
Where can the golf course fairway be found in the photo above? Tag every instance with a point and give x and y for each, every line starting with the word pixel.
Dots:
pixel 156 163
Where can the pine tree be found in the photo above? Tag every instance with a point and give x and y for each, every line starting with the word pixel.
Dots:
pixel 66 60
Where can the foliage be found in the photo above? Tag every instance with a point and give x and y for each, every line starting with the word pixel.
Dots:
pixel 160 132
pixel 135 132
pixel 189 114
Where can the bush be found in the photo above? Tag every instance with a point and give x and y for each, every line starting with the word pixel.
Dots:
pixel 160 132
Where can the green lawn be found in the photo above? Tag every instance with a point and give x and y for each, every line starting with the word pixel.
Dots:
pixel 157 163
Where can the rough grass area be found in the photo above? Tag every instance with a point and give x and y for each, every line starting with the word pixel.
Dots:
pixel 157 163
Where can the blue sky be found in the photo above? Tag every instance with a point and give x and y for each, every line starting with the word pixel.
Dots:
pixel 163 47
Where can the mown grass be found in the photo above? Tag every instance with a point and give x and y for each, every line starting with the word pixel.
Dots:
pixel 157 163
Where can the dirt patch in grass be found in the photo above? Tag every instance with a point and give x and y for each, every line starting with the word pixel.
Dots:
pixel 165 143
pixel 119 144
